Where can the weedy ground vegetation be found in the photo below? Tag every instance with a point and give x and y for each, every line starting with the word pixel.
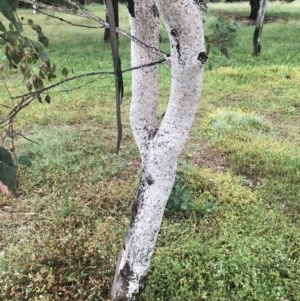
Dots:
pixel 231 229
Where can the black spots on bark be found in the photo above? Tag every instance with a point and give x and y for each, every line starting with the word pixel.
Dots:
pixel 138 199
pixel 128 274
pixel 202 57
pixel 151 133
pixel 126 271
pixel 142 284
pixel 174 32
pixel 201 3
pixel 155 11
pixel 130 6
pixel 145 179
pixel 134 209
pixel 149 179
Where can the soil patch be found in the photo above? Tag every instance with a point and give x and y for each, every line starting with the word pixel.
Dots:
pixel 206 156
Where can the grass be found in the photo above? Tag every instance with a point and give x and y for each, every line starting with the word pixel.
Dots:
pixel 238 238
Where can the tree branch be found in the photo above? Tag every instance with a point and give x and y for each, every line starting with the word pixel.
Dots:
pixel 27 98
pixel 84 13
pixel 68 22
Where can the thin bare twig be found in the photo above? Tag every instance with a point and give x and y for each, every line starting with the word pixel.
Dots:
pixel 84 13
pixel 29 94
pixel 68 22
pixel 27 98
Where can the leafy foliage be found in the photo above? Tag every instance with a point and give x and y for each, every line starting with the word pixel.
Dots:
pixel 180 196
pixel 7 8
pixel 8 174
pixel 185 199
pixel 221 35
pixel 22 52
pixel 9 168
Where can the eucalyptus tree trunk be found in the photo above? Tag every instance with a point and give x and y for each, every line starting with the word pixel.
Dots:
pixel 159 144
pixel 254 4
pixel 259 27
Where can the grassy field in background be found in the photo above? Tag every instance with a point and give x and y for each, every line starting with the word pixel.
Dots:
pixel 238 240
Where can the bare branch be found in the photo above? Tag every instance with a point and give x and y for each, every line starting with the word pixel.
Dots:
pixel 84 13
pixel 27 98
pixel 94 73
pixel 68 22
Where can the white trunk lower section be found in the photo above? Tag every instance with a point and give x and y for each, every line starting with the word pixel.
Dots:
pixel 159 147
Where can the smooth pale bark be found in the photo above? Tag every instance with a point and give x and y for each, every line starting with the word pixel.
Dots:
pixel 259 27
pixel 159 146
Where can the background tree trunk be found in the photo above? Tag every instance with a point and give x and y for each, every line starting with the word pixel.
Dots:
pixel 259 27
pixel 254 9
pixel 116 14
pixel 159 146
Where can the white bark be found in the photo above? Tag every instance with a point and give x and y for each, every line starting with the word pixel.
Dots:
pixel 159 147
pixel 259 27
pixel 144 26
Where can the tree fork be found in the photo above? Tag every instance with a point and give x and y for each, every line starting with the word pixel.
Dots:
pixel 161 145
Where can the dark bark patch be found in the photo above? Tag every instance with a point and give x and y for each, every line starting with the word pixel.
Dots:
pixel 149 179
pixel 174 32
pixel 256 41
pixel 155 11
pixel 201 3
pixel 127 274
pixel 202 57
pixel 138 199
pixel 254 9
pixel 130 6
pixel 126 271
pixel 151 133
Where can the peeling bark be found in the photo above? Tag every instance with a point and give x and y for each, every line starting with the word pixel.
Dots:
pixel 159 146
pixel 259 27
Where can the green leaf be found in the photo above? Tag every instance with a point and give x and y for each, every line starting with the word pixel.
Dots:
pixel 25 70
pixel 24 160
pixel 183 206
pixel 11 27
pixel 7 8
pixel 44 40
pixel 36 27
pixel 41 51
pixel 6 157
pixel 48 99
pixel 64 72
pixel 185 195
pixel 2 27
pixel 224 50
pixel 37 83
pixel 8 176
